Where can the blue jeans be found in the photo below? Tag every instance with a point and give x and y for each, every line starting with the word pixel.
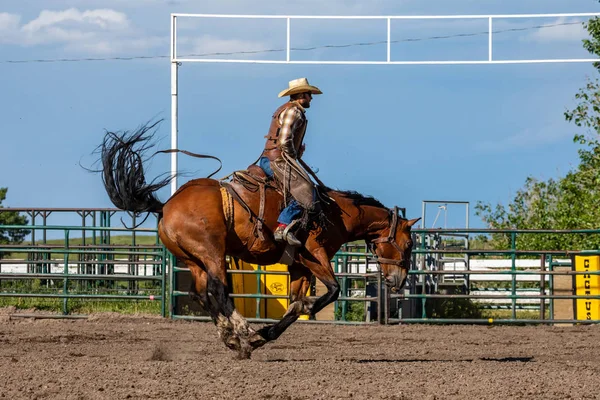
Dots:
pixel 293 209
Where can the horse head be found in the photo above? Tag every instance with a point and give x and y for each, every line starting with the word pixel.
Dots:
pixel 393 249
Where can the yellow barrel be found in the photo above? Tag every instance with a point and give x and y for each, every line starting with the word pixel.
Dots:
pixel 244 283
pixel 270 284
pixel 278 285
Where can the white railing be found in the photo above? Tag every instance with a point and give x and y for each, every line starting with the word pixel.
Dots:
pixel 176 60
pixel 388 19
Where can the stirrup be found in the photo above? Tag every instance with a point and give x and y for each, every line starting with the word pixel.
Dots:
pixel 290 238
pixel 287 236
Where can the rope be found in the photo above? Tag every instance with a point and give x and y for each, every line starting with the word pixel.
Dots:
pixel 227 207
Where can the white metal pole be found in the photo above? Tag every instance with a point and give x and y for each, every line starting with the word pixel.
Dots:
pixel 174 102
pixel 490 39
pixel 467 215
pixel 389 35
pixel 288 41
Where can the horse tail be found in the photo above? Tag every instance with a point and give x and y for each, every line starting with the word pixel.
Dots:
pixel 123 170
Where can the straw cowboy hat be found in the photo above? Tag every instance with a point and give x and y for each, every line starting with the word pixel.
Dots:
pixel 299 85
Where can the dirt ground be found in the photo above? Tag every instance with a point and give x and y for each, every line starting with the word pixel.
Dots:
pixel 117 357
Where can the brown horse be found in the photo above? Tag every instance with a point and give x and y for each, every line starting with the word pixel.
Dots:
pixel 195 228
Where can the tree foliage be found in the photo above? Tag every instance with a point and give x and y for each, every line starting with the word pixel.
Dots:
pixel 570 202
pixel 11 236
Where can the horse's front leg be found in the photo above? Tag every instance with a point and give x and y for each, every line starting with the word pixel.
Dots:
pixel 299 285
pixel 318 262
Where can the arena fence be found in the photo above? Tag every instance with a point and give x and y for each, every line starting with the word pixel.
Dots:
pixel 554 284
pixel 450 282
pixel 81 262
pixel 262 293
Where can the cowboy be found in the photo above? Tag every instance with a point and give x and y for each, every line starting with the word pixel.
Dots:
pixel 282 150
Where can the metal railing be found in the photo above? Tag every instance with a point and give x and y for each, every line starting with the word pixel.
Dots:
pixel 76 271
pixel 425 278
pixel 386 57
pixel 72 270
pixel 340 264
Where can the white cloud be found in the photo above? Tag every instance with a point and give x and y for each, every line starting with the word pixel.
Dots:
pixel 564 31
pixel 9 22
pixel 99 31
pixel 108 32
pixel 104 19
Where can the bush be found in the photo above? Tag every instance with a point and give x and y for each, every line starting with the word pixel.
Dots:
pixel 453 308
pixel 355 311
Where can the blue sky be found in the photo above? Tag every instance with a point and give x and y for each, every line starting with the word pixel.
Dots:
pixel 402 134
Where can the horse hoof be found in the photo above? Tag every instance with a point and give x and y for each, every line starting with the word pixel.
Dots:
pixel 233 343
pixel 256 341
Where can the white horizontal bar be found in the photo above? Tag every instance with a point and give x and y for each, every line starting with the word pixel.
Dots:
pixel 465 62
pixel 479 16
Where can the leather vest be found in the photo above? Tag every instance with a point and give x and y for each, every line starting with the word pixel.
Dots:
pixel 272 147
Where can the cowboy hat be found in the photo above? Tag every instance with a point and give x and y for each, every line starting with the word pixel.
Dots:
pixel 299 85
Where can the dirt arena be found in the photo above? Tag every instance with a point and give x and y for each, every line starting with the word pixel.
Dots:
pixel 116 357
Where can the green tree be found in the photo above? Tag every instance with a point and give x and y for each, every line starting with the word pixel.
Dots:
pixel 11 236
pixel 570 202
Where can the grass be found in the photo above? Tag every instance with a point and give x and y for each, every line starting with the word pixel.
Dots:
pixel 142 241
pixel 82 306
pixel 144 244
pixel 114 239
pixel 507 314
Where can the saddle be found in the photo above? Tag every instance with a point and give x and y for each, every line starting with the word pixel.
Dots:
pixel 252 179
pixel 257 173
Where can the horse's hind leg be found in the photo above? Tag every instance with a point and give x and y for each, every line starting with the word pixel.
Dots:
pixel 193 227
pixel 199 289
pixel 232 327
pixel 227 316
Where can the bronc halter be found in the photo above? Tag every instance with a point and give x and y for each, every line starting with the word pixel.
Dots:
pixel 391 238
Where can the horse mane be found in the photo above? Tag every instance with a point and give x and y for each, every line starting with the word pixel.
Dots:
pixel 358 199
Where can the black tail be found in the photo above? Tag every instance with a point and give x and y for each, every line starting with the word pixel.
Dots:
pixel 123 171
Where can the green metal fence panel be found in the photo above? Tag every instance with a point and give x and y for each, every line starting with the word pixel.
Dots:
pixel 85 271
pixel 94 267
pixel 345 258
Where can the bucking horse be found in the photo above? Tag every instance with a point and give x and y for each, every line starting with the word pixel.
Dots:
pixel 207 219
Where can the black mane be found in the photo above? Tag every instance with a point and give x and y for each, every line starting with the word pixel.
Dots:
pixel 359 199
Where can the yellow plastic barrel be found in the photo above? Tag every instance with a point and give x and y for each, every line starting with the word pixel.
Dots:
pixel 271 284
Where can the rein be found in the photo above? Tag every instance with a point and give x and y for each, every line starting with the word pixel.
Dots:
pixel 189 153
pixel 391 238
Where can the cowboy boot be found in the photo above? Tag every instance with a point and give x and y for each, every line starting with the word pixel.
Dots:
pixel 282 234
